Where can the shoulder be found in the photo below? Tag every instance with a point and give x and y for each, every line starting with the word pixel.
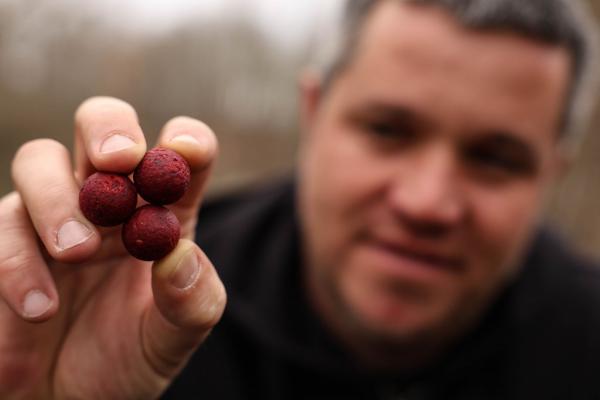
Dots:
pixel 243 204
pixel 568 277
pixel 559 287
pixel 238 228
pixel 556 321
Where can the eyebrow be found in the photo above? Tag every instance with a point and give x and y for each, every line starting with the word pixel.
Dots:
pixel 394 112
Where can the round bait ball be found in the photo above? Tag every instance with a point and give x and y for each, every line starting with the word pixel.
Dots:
pixel 151 233
pixel 107 199
pixel 162 177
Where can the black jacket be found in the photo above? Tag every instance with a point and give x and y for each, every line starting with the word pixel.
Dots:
pixel 540 340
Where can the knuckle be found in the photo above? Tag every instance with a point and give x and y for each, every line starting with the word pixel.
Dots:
pixel 9 205
pixel 13 220
pixel 18 370
pixel 12 214
pixel 54 193
pixel 14 263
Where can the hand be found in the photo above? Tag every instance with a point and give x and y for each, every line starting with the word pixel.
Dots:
pixel 124 328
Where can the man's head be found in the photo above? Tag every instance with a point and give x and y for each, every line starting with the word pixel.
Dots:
pixel 561 22
pixel 425 162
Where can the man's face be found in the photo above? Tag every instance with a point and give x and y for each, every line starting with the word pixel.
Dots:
pixel 423 171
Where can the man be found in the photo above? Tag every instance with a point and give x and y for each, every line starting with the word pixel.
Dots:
pixel 406 259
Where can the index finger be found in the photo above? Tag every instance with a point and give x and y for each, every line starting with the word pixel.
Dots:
pixel 108 137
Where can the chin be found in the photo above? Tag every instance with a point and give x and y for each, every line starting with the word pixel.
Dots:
pixel 408 317
pixel 398 319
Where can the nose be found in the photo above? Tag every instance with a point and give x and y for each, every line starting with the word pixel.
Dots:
pixel 426 194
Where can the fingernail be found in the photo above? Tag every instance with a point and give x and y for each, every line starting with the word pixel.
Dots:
pixel 186 272
pixel 35 304
pixel 116 142
pixel 185 139
pixel 71 234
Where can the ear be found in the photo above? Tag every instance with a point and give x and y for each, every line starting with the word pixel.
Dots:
pixel 310 87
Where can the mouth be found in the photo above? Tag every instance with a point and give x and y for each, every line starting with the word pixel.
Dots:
pixel 399 258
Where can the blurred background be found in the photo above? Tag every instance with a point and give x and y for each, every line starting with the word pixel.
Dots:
pixel 231 63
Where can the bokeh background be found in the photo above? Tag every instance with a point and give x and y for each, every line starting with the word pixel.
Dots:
pixel 231 63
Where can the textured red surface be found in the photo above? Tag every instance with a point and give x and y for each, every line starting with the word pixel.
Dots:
pixel 107 199
pixel 151 233
pixel 162 177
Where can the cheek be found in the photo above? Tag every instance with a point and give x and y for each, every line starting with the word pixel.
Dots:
pixel 502 223
pixel 345 171
pixel 340 180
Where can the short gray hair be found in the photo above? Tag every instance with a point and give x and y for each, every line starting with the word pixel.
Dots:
pixel 564 23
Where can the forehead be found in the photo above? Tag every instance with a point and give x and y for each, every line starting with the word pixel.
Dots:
pixel 421 54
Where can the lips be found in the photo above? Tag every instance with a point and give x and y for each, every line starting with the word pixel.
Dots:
pixel 410 255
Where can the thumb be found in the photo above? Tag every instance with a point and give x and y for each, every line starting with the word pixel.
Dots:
pixel 189 300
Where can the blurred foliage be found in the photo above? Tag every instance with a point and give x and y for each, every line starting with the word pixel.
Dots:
pixel 226 72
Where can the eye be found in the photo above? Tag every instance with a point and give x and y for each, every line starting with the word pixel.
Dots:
pixel 500 161
pixel 381 128
pixel 388 126
pixel 390 129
